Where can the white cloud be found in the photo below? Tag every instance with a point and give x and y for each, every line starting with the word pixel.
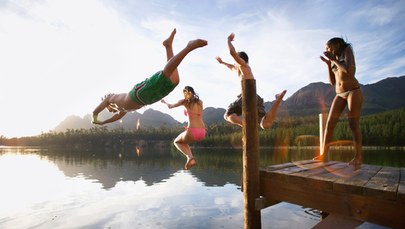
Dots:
pixel 64 60
pixel 59 57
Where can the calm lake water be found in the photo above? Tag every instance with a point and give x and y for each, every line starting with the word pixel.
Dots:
pixel 145 188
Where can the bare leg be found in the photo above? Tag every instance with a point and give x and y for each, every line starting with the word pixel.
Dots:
pixel 338 105
pixel 168 43
pixel 268 119
pixel 354 124
pixel 181 143
pixel 175 61
pixel 355 101
pixel 234 119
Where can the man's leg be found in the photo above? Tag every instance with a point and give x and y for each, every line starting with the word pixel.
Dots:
pixel 234 119
pixel 168 43
pixel 234 111
pixel 268 119
pixel 174 62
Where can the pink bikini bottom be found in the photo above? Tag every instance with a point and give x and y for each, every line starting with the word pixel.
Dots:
pixel 198 133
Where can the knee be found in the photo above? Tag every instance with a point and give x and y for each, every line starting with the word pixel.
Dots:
pixel 354 126
pixel 263 124
pixel 175 81
pixel 177 141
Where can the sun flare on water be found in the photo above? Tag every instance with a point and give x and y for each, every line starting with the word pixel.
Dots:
pixel 25 181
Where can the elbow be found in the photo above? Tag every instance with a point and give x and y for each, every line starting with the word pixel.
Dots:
pixel 233 52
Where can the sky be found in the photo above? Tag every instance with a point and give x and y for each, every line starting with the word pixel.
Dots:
pixel 59 57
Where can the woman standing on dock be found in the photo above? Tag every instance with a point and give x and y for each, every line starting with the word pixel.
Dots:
pixel 195 131
pixel 341 69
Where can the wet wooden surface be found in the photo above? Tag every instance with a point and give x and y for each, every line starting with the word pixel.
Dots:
pixel 372 193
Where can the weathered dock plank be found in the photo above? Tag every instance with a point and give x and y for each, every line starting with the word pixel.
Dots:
pixel 355 184
pixel 401 187
pixel 373 193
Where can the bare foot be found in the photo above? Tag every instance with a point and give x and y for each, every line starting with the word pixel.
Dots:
pixel 190 163
pixel 169 41
pixel 356 163
pixel 198 43
pixel 270 116
pixel 320 158
pixel 280 96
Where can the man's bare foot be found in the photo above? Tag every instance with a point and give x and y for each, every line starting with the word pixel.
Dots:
pixel 190 163
pixel 280 96
pixel 169 41
pixel 198 43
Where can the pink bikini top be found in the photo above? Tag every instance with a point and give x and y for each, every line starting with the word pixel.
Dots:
pixel 186 113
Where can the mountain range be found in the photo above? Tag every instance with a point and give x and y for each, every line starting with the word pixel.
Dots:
pixel 384 95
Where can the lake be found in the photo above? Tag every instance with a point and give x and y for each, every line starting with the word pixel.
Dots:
pixel 146 188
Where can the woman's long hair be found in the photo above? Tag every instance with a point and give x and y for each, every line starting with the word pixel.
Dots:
pixel 341 43
pixel 194 99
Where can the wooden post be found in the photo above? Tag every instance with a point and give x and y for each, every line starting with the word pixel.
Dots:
pixel 251 185
pixel 322 123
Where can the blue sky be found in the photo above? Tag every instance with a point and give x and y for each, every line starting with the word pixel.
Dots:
pixel 58 57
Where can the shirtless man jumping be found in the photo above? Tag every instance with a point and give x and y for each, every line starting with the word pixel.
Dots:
pixel 150 90
pixel 234 111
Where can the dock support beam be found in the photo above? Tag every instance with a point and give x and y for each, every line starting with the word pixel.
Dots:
pixel 251 179
pixel 322 123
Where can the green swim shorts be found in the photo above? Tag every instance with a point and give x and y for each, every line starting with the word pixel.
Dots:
pixel 152 89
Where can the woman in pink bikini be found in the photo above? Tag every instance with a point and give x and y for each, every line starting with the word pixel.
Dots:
pixel 341 65
pixel 195 131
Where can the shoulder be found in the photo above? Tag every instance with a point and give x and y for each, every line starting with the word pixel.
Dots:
pixel 348 50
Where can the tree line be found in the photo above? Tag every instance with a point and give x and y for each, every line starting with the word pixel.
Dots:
pixel 383 129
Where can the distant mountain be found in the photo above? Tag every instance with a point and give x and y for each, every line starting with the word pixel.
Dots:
pixel 387 94
pixel 213 115
pixel 74 122
pixel 314 98
pixel 150 118
pixel 309 100
pixel 384 95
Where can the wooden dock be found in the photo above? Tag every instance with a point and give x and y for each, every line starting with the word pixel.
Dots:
pixel 373 193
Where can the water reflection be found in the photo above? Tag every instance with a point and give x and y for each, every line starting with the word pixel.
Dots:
pixel 215 168
pixel 125 188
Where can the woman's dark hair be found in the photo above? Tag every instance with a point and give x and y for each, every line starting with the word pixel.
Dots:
pixel 342 44
pixel 244 56
pixel 195 97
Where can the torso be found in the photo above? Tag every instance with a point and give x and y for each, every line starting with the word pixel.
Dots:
pixel 244 72
pixel 195 115
pixel 345 81
pixel 124 103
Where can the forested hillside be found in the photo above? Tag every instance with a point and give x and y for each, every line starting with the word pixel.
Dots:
pixel 383 129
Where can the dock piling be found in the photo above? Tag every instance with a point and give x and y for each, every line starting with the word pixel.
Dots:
pixel 252 218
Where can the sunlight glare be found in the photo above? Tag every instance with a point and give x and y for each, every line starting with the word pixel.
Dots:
pixel 29 180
